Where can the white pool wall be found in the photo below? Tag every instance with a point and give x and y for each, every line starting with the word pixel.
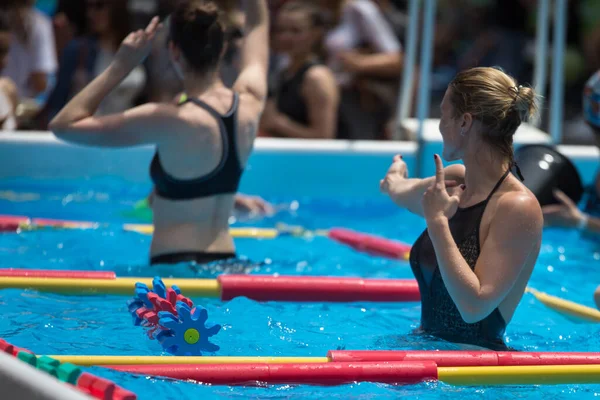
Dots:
pixel 19 380
pixel 290 167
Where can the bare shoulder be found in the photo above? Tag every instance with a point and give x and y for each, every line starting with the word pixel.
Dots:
pixel 157 113
pixel 520 208
pixel 319 74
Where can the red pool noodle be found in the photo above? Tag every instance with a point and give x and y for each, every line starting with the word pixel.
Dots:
pixel 317 289
pixel 310 374
pixel 458 358
pixel 60 222
pixel 41 273
pixel 10 223
pixel 371 244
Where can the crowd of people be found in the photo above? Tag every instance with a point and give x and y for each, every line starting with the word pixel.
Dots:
pixel 215 76
pixel 334 70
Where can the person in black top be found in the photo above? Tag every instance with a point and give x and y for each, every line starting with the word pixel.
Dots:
pixel 203 139
pixel 304 103
pixel 484 227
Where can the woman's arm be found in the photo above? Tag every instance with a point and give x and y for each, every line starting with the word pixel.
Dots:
pixel 514 236
pixel 565 214
pixel 381 65
pixel 592 224
pixel 252 78
pixel 408 192
pixel 321 97
pixel 140 125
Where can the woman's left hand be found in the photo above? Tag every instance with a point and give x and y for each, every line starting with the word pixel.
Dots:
pixel 437 203
pixel 137 46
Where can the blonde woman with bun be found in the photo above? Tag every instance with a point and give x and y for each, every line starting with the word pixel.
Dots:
pixel 484 227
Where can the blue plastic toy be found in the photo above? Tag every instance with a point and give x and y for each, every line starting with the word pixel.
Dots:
pixel 188 334
pixel 181 328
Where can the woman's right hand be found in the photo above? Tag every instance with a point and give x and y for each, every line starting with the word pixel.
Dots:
pixel 397 173
pixel 137 46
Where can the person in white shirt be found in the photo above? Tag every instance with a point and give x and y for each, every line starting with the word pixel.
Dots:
pixel 366 58
pixel 8 92
pixel 32 56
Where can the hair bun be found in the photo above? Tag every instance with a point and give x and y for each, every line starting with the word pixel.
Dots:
pixel 526 103
pixel 197 29
pixel 203 17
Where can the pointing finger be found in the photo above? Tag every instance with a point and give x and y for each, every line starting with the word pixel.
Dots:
pixel 439 170
pixel 151 28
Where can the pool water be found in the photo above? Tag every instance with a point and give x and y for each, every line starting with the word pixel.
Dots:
pixel 100 325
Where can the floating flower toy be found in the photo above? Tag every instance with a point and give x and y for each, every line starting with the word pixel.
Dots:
pixel 181 328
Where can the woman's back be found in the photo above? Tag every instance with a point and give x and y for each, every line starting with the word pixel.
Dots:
pixel 203 141
pixel 208 147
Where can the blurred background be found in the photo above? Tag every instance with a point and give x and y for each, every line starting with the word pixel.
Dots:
pixel 50 49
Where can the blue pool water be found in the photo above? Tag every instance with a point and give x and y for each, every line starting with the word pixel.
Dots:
pixel 53 324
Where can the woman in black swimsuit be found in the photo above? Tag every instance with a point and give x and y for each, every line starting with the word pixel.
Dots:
pixel 203 138
pixel 484 227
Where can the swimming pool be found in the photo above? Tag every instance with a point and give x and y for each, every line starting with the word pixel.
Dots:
pixel 53 324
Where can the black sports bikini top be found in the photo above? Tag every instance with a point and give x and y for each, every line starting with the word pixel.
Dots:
pixel 224 179
pixel 439 315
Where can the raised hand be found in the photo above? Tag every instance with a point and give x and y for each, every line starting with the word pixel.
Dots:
pixel 436 202
pixel 397 172
pixel 137 46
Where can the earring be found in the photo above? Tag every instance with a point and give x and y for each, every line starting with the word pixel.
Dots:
pixel 462 133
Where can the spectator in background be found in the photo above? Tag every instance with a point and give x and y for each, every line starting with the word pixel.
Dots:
pixel 8 90
pixel 85 58
pixel 69 22
pixel 32 57
pixel 366 57
pixel 499 35
pixel 305 102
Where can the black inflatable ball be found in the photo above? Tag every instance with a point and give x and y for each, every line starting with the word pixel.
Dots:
pixel 545 169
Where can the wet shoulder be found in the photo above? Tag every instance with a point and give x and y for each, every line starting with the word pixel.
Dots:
pixel 517 205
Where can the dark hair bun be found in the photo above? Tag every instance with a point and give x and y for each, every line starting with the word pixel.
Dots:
pixel 196 28
pixel 202 18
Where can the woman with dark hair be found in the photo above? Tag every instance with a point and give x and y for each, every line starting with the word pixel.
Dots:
pixel 8 90
pixel 69 22
pixel 305 100
pixel 203 138
pixel 85 58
